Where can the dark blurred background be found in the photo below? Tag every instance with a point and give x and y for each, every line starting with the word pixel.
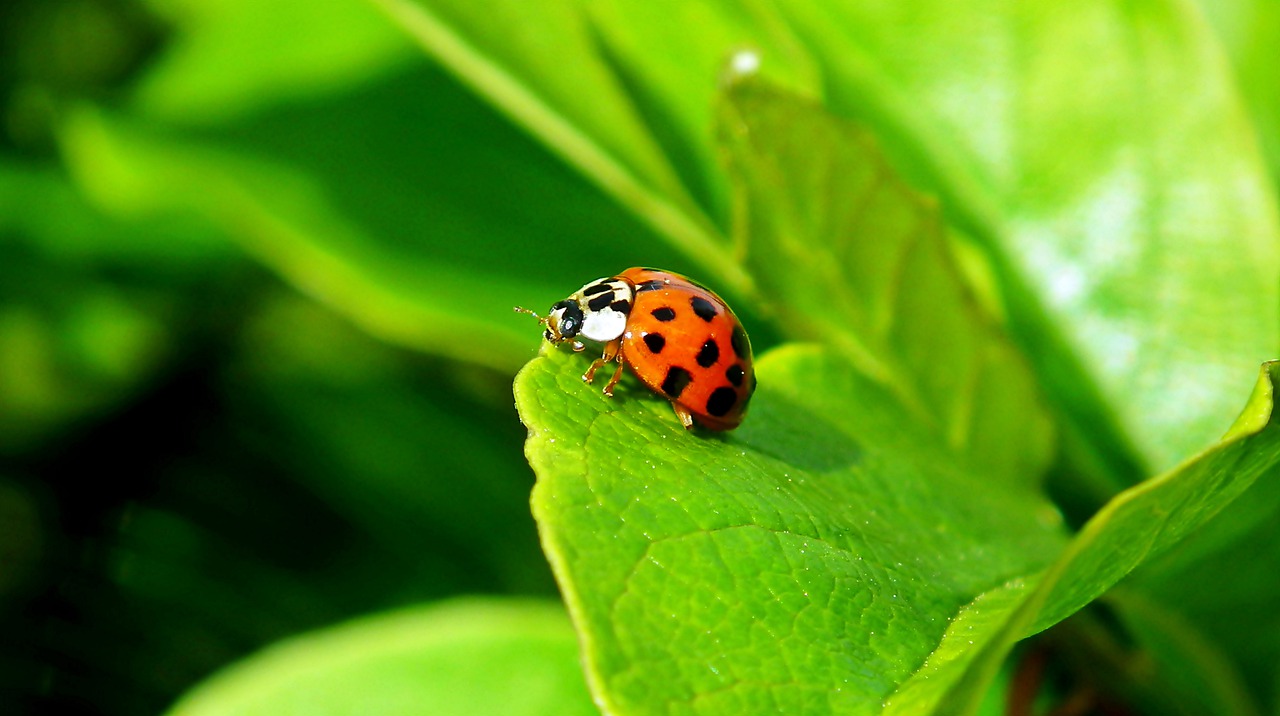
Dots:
pixel 256 269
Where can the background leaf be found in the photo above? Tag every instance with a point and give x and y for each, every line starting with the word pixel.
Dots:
pixel 464 657
pixel 232 59
pixel 854 257
pixel 394 249
pixel 1111 232
pixel 1248 28
pixel 579 109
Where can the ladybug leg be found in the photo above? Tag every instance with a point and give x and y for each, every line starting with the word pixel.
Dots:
pixel 608 389
pixel 686 418
pixel 612 350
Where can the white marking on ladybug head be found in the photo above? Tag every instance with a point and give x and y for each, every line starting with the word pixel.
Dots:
pixel 604 325
pixel 563 321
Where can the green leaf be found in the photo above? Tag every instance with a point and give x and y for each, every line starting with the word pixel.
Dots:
pixel 830 554
pixel 1100 154
pixel 1223 588
pixel 809 561
pixel 579 107
pixel 229 58
pixel 394 229
pixel 903 307
pixel 464 657
pixel 1203 612
pixel 1249 30
pixel 605 118
pixel 1134 527
pixel 43 213
pixel 853 256
pixel 1059 138
pixel 669 73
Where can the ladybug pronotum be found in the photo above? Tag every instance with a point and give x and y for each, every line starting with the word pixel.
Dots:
pixel 680 339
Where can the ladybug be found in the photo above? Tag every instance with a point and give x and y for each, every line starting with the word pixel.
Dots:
pixel 680 339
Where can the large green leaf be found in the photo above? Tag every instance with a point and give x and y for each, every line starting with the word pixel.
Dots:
pixel 789 157
pixel 828 555
pixel 809 562
pixel 464 657
pixel 851 255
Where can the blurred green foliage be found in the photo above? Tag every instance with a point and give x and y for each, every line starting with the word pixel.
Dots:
pixel 198 457
pixel 474 656
pixel 258 259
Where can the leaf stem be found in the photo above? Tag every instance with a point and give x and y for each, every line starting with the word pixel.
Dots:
pixel 680 223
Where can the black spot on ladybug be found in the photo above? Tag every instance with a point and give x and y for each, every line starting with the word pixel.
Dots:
pixel 653 285
pixel 664 314
pixel 709 354
pixel 705 309
pixel 721 401
pixel 734 374
pixel 655 341
pixel 738 342
pixel 595 288
pixel 676 381
pixel 622 306
pixel 597 303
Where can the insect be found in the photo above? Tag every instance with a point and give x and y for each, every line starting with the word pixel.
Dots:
pixel 680 339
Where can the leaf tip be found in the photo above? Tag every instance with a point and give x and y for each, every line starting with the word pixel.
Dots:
pixel 1257 412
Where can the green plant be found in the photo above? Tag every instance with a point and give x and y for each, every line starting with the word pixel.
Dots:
pixel 1010 273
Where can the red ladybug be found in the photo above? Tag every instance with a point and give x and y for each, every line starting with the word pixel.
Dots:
pixel 680 339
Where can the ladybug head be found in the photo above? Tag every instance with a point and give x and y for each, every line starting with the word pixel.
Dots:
pixel 564 321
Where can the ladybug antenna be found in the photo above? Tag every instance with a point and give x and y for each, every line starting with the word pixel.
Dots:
pixel 520 309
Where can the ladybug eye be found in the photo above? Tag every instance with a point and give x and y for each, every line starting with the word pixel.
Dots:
pixel 569 327
pixel 570 318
